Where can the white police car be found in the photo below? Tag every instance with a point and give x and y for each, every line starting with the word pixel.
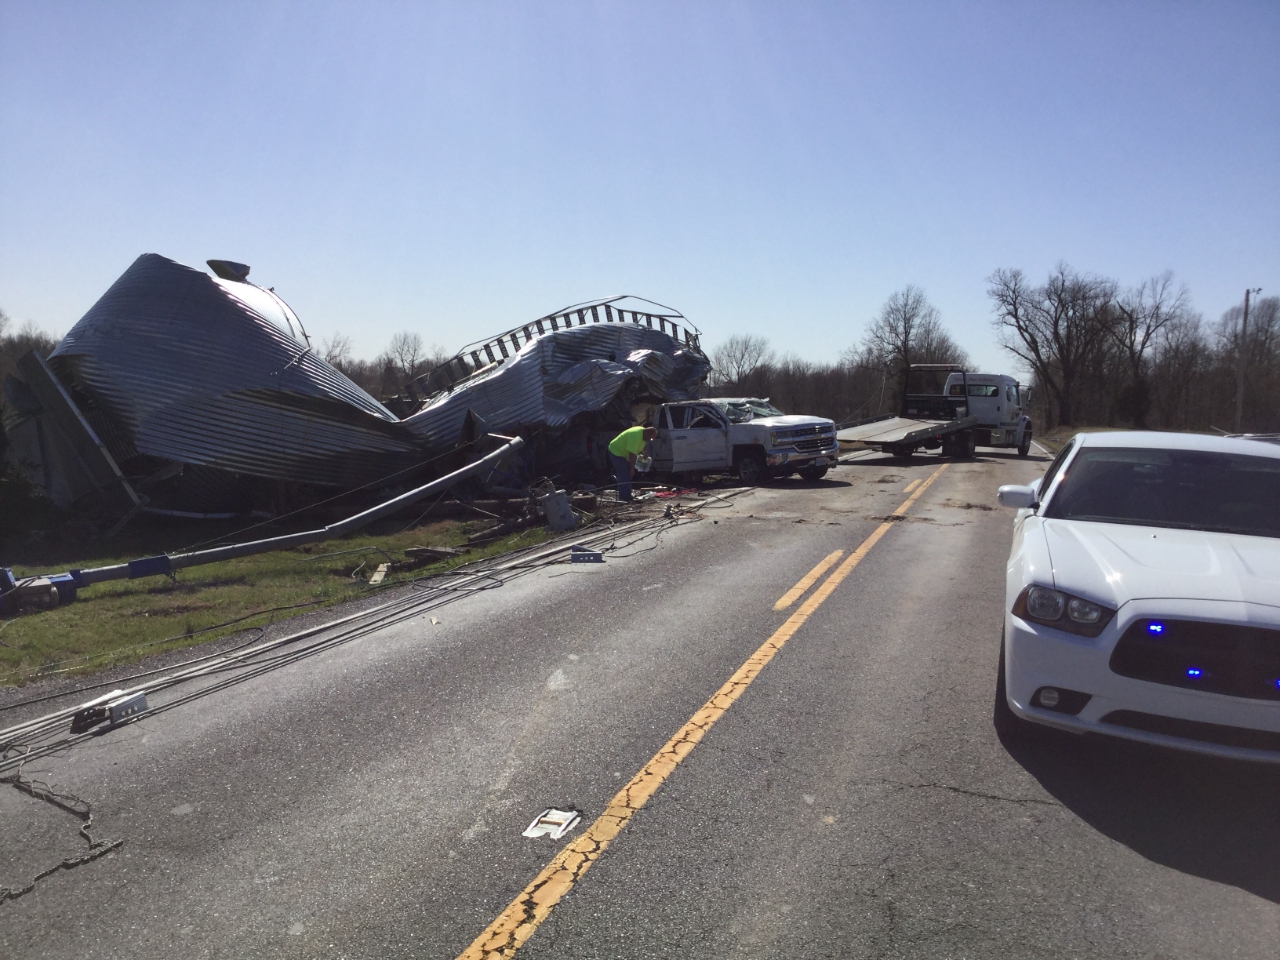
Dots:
pixel 1143 594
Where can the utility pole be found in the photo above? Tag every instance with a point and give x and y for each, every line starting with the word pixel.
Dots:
pixel 1244 329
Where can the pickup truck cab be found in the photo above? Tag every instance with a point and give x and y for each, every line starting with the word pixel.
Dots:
pixel 1001 406
pixel 741 435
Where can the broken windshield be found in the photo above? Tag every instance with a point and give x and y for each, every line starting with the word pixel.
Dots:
pixel 740 411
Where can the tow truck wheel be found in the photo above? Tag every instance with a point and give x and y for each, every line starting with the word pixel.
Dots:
pixel 1024 447
pixel 751 469
pixel 964 446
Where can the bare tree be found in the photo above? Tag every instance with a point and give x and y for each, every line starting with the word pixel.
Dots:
pixel 1056 329
pixel 895 332
pixel 1141 314
pixel 407 354
pixel 908 329
pixel 738 358
pixel 1260 349
pixel 1180 365
pixel 336 350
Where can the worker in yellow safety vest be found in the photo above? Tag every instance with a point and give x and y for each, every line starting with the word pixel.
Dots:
pixel 623 450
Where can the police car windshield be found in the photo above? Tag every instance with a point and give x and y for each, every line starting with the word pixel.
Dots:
pixel 1188 489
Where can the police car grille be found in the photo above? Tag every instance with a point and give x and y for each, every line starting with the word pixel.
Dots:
pixel 1224 658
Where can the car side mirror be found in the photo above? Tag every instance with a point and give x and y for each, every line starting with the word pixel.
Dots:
pixel 1018 497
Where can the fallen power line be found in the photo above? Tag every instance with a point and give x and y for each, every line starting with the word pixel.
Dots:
pixel 40 736
pixel 165 564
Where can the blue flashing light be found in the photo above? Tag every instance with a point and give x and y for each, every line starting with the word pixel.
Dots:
pixel 1155 627
pixel 1195 673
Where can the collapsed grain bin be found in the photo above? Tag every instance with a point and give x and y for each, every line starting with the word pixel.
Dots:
pixel 184 392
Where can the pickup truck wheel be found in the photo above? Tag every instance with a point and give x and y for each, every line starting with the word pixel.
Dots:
pixel 751 469
pixel 813 473
pixel 1024 447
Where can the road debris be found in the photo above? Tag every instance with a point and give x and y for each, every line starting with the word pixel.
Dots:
pixel 553 823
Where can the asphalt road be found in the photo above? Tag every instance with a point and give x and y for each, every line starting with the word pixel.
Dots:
pixel 854 801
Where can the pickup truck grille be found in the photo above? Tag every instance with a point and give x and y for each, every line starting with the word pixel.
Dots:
pixel 794 433
pixel 816 444
pixel 1225 658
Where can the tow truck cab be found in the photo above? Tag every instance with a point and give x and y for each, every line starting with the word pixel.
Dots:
pixel 1001 405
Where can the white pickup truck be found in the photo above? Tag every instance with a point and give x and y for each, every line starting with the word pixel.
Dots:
pixel 744 436
pixel 1001 407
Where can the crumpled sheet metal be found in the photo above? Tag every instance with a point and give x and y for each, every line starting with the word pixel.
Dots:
pixel 183 366
pixel 560 375
pixel 178 366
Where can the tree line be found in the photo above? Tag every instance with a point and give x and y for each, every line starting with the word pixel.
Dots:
pixel 863 382
pixel 1140 356
pixel 384 377
pixel 1096 353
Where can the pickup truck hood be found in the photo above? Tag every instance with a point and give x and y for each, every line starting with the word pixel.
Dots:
pixel 790 420
pixel 1113 563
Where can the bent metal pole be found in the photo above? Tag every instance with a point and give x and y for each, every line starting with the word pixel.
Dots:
pixel 164 564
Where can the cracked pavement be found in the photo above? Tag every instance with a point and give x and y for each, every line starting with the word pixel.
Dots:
pixel 846 796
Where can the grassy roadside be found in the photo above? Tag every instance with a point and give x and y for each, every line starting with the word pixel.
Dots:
pixel 1061 435
pixel 124 621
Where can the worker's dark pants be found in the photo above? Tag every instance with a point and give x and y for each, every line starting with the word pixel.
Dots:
pixel 622 471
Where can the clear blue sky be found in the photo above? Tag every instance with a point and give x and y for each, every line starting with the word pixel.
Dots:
pixel 771 168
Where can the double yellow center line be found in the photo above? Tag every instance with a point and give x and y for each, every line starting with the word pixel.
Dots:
pixel 517 923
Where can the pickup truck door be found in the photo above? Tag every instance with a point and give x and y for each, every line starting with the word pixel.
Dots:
pixel 702 443
pixel 660 447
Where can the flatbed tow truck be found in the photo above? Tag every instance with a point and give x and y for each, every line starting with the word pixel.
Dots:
pixel 928 418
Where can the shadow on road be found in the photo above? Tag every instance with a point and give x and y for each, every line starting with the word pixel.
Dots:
pixel 995 455
pixel 930 458
pixel 823 484
pixel 1215 819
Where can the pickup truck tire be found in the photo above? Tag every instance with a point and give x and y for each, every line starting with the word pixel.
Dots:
pixel 1024 447
pixel 813 473
pixel 751 469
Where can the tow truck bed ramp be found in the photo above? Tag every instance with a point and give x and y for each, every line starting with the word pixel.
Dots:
pixel 893 430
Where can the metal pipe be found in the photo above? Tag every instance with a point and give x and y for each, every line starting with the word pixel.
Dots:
pixel 165 564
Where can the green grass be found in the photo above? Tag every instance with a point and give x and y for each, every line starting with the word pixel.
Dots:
pixel 124 620
pixel 1062 434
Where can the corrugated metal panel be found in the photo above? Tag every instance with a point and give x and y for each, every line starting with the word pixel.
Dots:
pixel 176 365
pixel 559 375
pixel 190 368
